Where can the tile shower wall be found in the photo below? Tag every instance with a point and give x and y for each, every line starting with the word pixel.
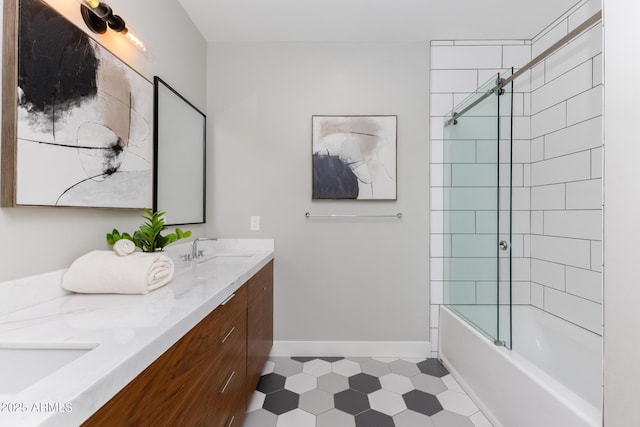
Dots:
pixel 457 69
pixel 557 242
pixel 566 173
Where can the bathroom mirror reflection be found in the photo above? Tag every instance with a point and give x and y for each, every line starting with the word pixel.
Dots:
pixel 180 147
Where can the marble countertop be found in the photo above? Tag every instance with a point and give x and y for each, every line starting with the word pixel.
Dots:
pixel 125 333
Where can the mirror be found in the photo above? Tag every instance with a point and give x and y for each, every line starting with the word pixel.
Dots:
pixel 180 148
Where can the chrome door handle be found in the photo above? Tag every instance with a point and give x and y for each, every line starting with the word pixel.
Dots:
pixel 503 245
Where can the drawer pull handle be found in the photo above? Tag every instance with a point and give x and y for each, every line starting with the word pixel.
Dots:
pixel 229 298
pixel 230 422
pixel 228 335
pixel 226 383
pixel 264 289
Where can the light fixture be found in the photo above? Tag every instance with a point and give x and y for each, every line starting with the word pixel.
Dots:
pixel 98 16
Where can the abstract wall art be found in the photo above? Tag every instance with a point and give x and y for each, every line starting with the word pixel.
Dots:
pixel 83 119
pixel 354 157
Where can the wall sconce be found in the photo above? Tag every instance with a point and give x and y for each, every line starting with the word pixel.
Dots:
pixel 98 16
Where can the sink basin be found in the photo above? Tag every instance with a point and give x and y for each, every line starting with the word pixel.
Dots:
pixel 227 259
pixel 22 365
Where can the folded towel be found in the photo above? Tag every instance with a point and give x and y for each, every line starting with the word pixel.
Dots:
pixel 104 272
pixel 124 247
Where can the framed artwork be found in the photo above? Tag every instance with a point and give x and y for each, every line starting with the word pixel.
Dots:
pixel 77 125
pixel 180 157
pixel 354 157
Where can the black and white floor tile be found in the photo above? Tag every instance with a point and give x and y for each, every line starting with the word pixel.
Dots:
pixel 360 392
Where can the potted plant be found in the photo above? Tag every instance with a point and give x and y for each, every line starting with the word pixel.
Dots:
pixel 147 237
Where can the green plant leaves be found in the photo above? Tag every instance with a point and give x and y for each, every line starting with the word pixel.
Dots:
pixel 147 237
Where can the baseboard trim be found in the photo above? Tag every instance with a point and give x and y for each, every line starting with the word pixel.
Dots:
pixel 417 349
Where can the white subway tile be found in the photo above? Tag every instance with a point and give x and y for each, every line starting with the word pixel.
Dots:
pixel 579 137
pixel 596 163
pixel 584 194
pixel 521 198
pixel 437 245
pixel 574 167
pixel 437 175
pixel 521 127
pixel 527 105
pixel 520 221
pixel 465 57
pixel 548 197
pixel 474 175
pixel 511 175
pixel 517 245
pixel 437 221
pixel 537 76
pixel 527 175
pixel 522 150
pixel 548 38
pixel 577 310
pixel 584 283
pixel 459 292
pixel 437 151
pixel 441 104
pixel 473 245
pixel 578 224
pixel 548 273
pixel 437 292
pixel 437 128
pixel 459 151
pixel 537 149
pixel 488 42
pixel 537 222
pixel 596 256
pixel 585 106
pixel 580 50
pixel 585 11
pixel 515 56
pixel 521 293
pixel 537 295
pixel 442 42
pixel 437 269
pixel 597 70
pixel 527 245
pixel 549 120
pixel 460 222
pixel 518 106
pixel 520 269
pixel 453 81
pixel 435 316
pixel 562 250
pixel 567 85
pixel 437 199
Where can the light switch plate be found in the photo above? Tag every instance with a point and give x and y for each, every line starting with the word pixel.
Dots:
pixel 254 223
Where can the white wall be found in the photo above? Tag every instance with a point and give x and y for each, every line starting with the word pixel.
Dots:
pixel 621 214
pixel 344 280
pixel 41 239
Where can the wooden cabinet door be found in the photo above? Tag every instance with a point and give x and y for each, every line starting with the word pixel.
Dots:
pixel 259 324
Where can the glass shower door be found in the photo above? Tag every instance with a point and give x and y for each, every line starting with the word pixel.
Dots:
pixel 477 204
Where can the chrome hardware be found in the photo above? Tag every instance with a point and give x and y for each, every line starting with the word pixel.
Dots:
pixel 230 422
pixel 195 254
pixel 227 299
pixel 503 245
pixel 226 337
pixel 226 383
pixel 500 343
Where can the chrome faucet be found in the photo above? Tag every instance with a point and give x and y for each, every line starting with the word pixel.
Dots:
pixel 194 248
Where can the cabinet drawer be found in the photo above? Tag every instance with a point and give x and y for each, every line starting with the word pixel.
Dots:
pixel 261 282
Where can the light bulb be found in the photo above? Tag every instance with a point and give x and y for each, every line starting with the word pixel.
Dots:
pixel 133 38
pixel 90 3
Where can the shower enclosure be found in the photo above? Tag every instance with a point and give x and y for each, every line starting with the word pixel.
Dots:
pixel 477 210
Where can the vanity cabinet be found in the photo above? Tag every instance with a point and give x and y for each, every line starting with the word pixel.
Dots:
pixel 260 324
pixel 204 379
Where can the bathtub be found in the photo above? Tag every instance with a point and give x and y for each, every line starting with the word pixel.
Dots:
pixel 551 378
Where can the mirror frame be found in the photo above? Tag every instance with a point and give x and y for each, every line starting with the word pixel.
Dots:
pixel 163 127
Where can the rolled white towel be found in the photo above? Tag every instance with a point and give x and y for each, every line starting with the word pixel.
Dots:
pixel 124 247
pixel 104 272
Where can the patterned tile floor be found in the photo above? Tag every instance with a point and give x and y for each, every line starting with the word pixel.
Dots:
pixel 360 392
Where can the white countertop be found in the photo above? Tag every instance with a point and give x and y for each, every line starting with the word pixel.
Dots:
pixel 128 331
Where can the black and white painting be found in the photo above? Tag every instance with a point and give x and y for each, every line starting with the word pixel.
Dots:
pixel 85 119
pixel 354 157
